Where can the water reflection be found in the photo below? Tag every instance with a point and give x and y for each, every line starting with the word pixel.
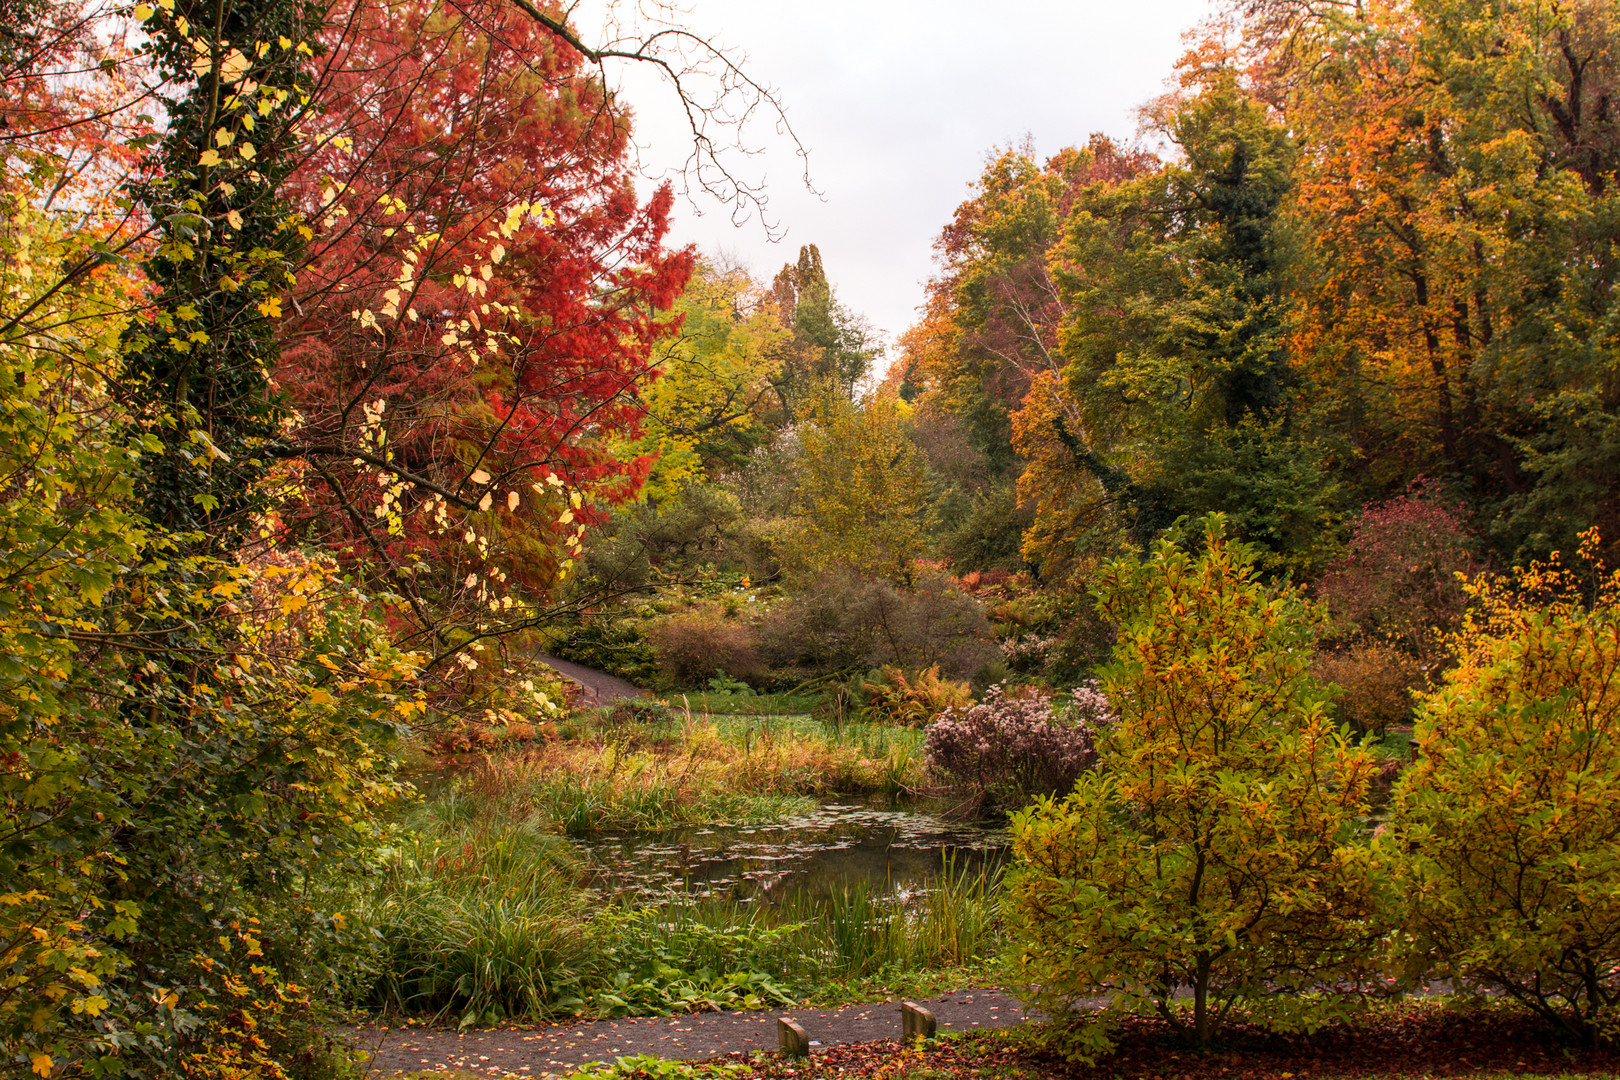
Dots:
pixel 839 845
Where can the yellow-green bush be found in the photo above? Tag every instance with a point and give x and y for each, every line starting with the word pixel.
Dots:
pixel 1509 816
pixel 1217 847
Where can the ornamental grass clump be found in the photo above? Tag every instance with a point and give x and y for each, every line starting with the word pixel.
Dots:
pixel 1007 751
pixel 1509 815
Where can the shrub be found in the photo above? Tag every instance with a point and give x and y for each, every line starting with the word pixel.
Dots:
pixel 1055 632
pixel 637 712
pixel 616 646
pixel 1378 681
pixel 1007 751
pixel 1513 876
pixel 847 621
pixel 1218 846
pixel 915 700
pixel 695 647
pixel 1398 577
pixel 672 535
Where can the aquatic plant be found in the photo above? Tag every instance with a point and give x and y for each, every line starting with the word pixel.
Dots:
pixel 481 914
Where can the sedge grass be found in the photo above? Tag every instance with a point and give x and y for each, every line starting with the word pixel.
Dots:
pixel 482 915
pixel 479 918
pixel 772 755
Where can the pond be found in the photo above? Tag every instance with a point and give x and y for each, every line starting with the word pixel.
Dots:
pixel 842 844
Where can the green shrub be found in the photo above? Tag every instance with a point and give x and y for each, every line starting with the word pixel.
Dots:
pixel 616 646
pixel 1217 847
pixel 1509 815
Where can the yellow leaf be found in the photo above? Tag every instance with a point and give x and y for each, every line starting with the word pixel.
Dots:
pixel 209 157
pixel 222 137
pixel 247 151
pixel 142 12
pixel 234 217
pixel 42 1064
pixel 320 697
pixel 511 501
pixel 234 66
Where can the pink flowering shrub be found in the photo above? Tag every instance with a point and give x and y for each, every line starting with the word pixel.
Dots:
pixel 1006 751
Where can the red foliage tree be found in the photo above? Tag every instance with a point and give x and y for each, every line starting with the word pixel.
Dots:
pixel 482 300
pixel 1398 579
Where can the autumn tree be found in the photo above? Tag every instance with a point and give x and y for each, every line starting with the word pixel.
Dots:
pixel 191 721
pixel 1217 848
pixel 1456 195
pixel 711 404
pixel 990 327
pixel 860 493
pixel 829 346
pixel 994 309
pixel 482 305
pixel 1186 396
pixel 709 397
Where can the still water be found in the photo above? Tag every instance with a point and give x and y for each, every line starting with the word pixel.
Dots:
pixel 840 844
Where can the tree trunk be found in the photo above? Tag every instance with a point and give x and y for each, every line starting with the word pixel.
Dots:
pixel 1201 1020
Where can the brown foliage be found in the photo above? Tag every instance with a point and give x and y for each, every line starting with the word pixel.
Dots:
pixel 695 647
pixel 1378 683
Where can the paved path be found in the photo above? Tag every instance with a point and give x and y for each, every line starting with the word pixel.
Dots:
pixel 596 687
pixel 562 1048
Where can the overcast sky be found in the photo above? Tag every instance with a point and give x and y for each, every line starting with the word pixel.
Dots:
pixel 898 103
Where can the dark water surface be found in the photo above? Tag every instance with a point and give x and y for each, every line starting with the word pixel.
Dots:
pixel 839 845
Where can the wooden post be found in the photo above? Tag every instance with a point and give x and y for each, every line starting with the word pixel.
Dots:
pixel 793 1039
pixel 916 1021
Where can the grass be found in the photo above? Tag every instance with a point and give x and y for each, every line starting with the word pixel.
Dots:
pixel 745 755
pixel 481 914
pixel 734 704
pixel 476 916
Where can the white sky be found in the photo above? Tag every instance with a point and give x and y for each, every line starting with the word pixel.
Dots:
pixel 899 102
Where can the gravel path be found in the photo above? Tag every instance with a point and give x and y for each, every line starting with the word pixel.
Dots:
pixel 596 687
pixel 554 1048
